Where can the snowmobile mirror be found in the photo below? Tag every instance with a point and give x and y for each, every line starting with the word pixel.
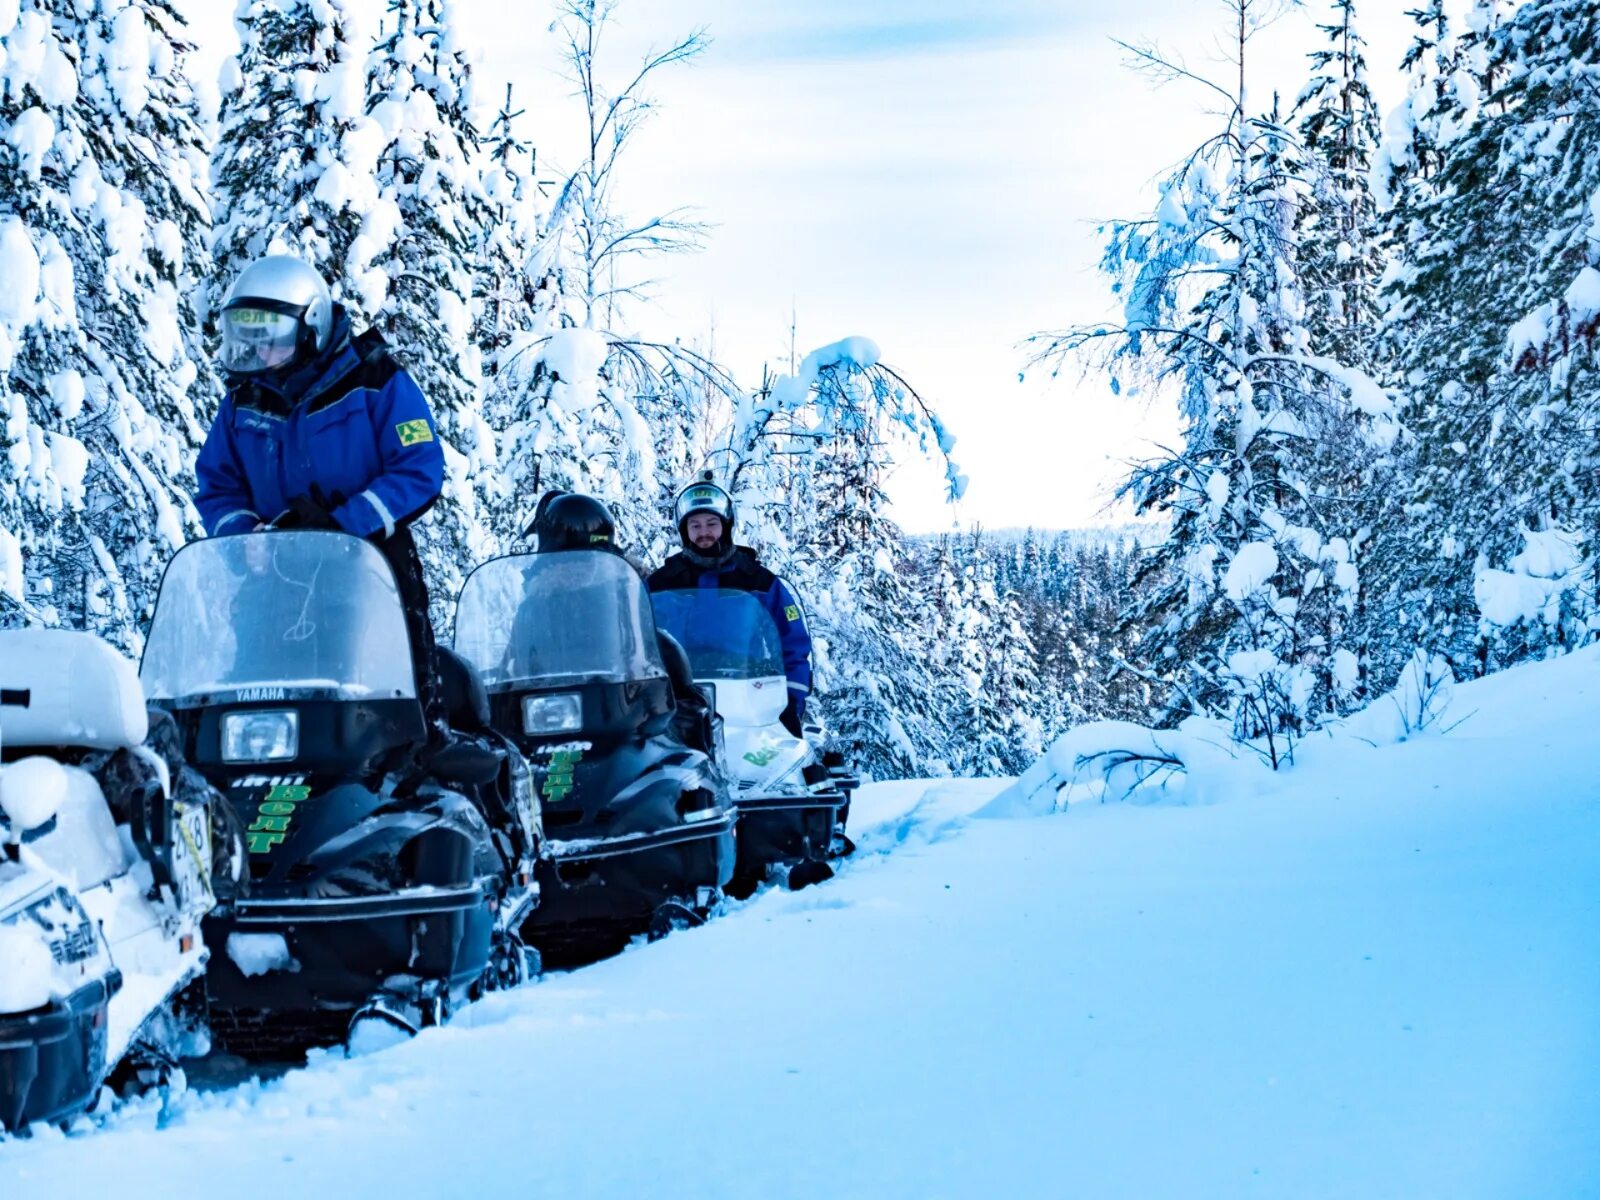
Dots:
pixel 466 764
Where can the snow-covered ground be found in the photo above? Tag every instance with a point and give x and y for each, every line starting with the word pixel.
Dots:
pixel 1379 978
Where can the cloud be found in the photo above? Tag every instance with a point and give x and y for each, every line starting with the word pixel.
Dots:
pixel 915 34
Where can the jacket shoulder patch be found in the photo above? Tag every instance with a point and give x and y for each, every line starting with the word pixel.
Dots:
pixel 413 433
pixel 792 612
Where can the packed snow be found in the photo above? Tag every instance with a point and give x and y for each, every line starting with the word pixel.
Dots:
pixel 25 984
pixel 258 953
pixel 32 791
pixel 1373 975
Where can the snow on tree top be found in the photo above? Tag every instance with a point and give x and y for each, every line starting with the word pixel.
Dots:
pixel 1251 570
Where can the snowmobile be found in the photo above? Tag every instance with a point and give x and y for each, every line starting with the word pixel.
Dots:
pixel 638 826
pixel 388 874
pixel 106 871
pixel 790 803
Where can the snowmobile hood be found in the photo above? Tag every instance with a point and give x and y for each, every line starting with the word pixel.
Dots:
pixel 319 836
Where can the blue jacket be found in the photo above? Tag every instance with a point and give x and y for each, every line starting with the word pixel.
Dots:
pixel 740 571
pixel 353 424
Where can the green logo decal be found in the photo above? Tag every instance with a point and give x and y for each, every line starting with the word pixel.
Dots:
pixel 761 757
pixel 558 782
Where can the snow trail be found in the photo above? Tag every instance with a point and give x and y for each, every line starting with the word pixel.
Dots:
pixel 1376 978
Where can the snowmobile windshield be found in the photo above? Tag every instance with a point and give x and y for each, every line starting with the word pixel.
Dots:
pixel 728 634
pixel 558 619
pixel 278 616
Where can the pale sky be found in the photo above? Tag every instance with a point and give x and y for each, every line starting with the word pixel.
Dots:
pixel 926 173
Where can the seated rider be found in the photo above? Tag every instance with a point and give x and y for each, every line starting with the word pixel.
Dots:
pixel 320 429
pixel 710 559
pixel 567 521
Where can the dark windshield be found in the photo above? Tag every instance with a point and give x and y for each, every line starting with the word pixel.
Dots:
pixel 727 634
pixel 558 619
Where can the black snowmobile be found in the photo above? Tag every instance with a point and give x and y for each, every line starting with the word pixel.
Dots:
pixel 789 800
pixel 639 826
pixel 388 876
pixel 109 860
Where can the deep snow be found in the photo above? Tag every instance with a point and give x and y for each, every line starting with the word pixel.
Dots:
pixel 1379 976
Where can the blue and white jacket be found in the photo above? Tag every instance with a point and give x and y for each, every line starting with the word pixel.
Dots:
pixel 351 422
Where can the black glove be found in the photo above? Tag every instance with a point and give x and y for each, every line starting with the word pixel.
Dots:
pixel 307 512
pixel 791 718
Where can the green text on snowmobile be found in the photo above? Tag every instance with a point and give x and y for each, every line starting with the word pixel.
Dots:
pixel 273 816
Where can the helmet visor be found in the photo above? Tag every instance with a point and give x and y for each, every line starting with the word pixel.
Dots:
pixel 705 498
pixel 256 338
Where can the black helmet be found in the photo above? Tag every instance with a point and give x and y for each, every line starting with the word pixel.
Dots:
pixel 572 521
pixel 704 496
pixel 543 507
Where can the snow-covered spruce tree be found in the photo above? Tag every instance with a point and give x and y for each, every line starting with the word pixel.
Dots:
pixel 867 620
pixel 421 282
pixel 296 156
pixel 936 582
pixel 997 681
pixel 1411 152
pixel 507 298
pixel 143 126
pixel 1016 734
pixel 806 459
pixel 1338 252
pixel 1214 307
pixel 1341 260
pixel 43 542
pixel 1098 662
pixel 1492 318
pixel 106 391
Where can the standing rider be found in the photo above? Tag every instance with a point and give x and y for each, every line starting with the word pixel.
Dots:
pixel 709 559
pixel 320 430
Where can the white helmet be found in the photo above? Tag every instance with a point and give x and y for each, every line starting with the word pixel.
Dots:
pixel 278 314
pixel 704 496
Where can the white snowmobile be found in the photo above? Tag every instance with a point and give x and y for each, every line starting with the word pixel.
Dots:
pixel 790 804
pixel 105 874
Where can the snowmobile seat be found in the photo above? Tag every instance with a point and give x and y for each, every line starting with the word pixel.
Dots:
pixel 466 700
pixel 475 759
pixel 75 698
pixel 696 716
pixel 63 689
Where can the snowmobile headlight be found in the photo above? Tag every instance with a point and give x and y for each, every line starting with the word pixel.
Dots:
pixel 562 713
pixel 269 735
